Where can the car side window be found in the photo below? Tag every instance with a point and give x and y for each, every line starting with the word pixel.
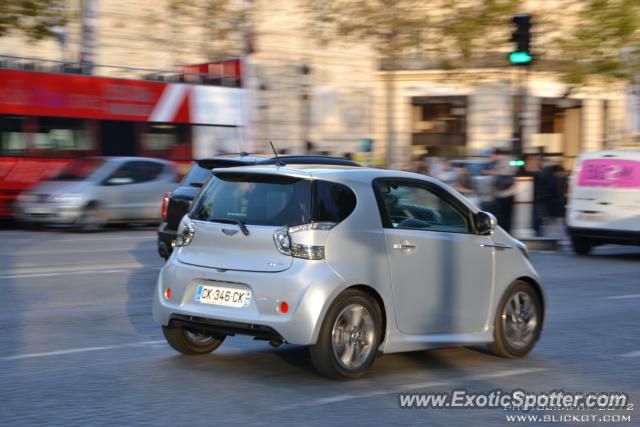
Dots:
pixel 413 206
pixel 147 171
pixel 332 202
pixel 124 174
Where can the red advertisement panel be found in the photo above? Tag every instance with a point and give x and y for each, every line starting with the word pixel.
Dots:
pixel 65 95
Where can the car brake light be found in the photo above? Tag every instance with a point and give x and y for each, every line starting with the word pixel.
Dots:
pixel 186 236
pixel 302 241
pixel 165 203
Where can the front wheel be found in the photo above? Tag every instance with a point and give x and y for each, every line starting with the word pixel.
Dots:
pixel 191 342
pixel 349 336
pixel 518 321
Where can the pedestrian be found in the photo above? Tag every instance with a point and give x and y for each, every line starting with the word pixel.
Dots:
pixel 485 189
pixel 464 184
pixel 504 188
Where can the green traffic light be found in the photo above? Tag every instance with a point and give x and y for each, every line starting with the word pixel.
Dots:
pixel 520 57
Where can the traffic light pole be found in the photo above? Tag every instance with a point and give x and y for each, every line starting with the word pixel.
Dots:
pixel 519 110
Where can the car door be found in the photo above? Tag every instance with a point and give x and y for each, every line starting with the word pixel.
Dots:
pixel 442 275
pixel 153 181
pixel 114 192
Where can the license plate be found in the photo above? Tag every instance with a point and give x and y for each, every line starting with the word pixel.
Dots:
pixel 219 295
pixel 590 217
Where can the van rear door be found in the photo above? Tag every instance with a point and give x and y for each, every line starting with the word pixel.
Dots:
pixel 605 191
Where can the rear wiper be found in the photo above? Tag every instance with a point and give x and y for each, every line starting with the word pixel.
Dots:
pixel 239 223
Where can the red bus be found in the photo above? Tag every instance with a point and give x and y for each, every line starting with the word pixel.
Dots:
pixel 49 118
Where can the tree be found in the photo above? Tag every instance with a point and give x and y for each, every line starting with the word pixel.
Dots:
pixel 396 29
pixel 603 43
pixel 220 23
pixel 34 18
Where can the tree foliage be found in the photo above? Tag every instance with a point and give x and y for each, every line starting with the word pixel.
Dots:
pixel 34 18
pixel 576 38
pixel 221 23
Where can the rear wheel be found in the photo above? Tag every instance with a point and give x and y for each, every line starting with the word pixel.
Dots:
pixel 518 321
pixel 581 245
pixel 191 342
pixel 349 336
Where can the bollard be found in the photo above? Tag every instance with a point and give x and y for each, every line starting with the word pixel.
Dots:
pixel 523 208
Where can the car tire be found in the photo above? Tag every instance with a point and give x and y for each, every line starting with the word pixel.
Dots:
pixel 518 321
pixel 346 347
pixel 581 245
pixel 191 342
pixel 92 219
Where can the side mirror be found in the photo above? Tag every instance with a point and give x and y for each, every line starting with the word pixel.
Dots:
pixel 119 181
pixel 486 223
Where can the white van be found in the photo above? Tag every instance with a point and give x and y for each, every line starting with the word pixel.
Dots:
pixel 604 200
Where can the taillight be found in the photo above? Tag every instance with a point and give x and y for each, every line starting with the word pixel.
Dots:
pixel 165 203
pixel 186 236
pixel 304 241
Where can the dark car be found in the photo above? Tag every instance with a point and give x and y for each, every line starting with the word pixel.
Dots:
pixel 176 204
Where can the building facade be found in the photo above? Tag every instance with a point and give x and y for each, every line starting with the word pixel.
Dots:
pixel 469 112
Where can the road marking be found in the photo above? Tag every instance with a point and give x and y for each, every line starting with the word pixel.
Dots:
pixel 631 354
pixel 78 350
pixel 68 271
pixel 624 296
pixel 57 251
pixel 405 387
pixel 62 273
pixel 52 268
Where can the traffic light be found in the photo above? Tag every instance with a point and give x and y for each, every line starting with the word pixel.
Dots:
pixel 521 37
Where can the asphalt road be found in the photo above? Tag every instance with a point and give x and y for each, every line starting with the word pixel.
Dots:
pixel 78 347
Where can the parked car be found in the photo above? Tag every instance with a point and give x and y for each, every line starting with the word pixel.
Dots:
pixel 176 203
pixel 348 261
pixel 604 200
pixel 92 192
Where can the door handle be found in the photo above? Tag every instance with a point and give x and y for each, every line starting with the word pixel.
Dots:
pixel 404 246
pixel 497 246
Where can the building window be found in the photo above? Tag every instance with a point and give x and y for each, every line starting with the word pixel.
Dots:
pixel 439 124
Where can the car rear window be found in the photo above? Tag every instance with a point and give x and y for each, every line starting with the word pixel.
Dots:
pixel 257 199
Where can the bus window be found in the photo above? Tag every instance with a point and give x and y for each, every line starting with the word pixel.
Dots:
pixel 61 134
pixel 12 139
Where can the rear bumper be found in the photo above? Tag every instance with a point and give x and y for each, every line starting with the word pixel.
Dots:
pixel 308 287
pixel 224 327
pixel 166 237
pixel 602 236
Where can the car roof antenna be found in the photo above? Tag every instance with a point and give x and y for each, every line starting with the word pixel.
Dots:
pixel 278 161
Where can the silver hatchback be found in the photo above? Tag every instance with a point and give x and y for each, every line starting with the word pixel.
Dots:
pixel 91 192
pixel 349 261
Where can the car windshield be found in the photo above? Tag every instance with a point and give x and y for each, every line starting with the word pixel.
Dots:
pixel 255 199
pixel 196 176
pixel 79 170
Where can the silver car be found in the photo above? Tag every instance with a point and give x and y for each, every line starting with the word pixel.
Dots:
pixel 349 261
pixel 91 192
